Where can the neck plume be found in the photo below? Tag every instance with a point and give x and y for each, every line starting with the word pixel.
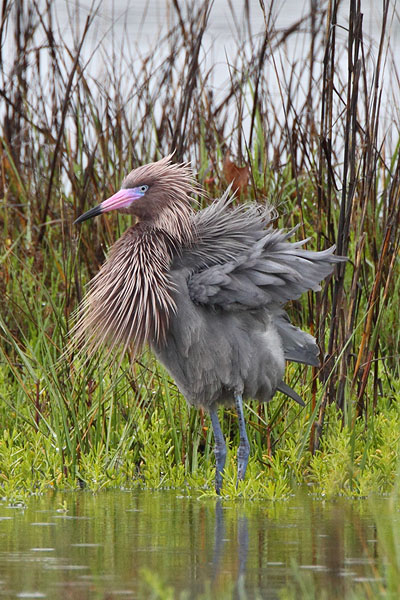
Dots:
pixel 129 301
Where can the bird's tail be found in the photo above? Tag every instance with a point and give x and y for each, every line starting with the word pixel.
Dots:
pixel 298 346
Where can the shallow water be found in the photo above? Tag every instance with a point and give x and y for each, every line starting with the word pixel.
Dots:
pixel 125 544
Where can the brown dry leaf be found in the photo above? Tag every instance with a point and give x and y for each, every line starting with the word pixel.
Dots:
pixel 238 176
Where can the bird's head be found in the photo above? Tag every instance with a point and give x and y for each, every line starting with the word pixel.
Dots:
pixel 157 193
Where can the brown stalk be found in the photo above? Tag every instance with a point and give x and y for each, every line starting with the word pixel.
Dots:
pixel 61 129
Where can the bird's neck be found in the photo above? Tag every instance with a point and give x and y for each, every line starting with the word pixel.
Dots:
pixel 176 220
pixel 130 299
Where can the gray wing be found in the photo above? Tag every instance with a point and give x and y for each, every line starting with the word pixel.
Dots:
pixel 240 262
pixel 271 271
pixel 224 232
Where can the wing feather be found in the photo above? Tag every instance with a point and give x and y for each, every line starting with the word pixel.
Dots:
pixel 240 261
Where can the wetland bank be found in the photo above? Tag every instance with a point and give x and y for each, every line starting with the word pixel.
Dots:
pixel 309 107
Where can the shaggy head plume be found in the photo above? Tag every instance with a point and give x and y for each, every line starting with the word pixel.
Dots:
pixel 166 203
pixel 129 301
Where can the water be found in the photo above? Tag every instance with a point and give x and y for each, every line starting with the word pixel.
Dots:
pixel 124 36
pixel 126 544
pixel 130 31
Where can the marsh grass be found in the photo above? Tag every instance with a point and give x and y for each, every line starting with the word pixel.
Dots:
pixel 325 152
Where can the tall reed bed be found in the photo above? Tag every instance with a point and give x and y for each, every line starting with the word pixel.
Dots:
pixel 322 144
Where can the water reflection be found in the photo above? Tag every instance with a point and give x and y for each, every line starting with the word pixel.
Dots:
pixel 242 542
pixel 131 544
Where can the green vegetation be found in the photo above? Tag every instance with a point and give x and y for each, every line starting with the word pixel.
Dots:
pixel 332 163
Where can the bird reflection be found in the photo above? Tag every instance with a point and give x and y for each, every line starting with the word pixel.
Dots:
pixel 243 547
pixel 219 543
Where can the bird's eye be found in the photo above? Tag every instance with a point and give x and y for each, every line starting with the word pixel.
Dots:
pixel 144 188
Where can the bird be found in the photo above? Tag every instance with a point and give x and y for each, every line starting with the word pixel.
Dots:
pixel 205 290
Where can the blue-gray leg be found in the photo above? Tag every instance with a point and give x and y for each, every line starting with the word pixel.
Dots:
pixel 219 450
pixel 244 446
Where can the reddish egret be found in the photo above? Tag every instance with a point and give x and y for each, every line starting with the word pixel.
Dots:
pixel 205 290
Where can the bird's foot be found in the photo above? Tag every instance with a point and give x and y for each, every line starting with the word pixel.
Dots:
pixel 220 457
pixel 244 446
pixel 242 460
pixel 218 483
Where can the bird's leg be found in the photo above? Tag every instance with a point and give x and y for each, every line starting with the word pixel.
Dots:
pixel 244 446
pixel 219 450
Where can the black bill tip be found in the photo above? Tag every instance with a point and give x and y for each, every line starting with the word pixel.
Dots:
pixel 93 212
